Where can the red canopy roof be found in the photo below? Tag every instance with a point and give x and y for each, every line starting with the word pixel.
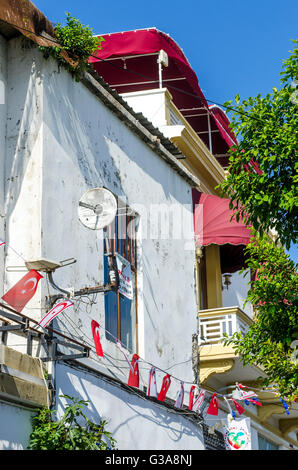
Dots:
pixel 213 224
pixel 128 63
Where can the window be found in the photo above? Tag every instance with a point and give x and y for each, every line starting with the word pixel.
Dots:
pixel 121 312
pixel 264 444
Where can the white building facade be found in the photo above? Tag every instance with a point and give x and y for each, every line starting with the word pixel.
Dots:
pixel 61 138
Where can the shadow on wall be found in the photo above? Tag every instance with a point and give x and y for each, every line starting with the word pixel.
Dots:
pixel 96 140
pixel 100 150
pixel 79 125
pixel 126 408
pixel 24 121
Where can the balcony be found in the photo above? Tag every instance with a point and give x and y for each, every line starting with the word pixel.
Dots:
pixel 217 359
pixel 214 323
pixel 158 107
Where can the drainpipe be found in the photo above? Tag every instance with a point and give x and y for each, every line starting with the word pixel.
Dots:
pixel 195 337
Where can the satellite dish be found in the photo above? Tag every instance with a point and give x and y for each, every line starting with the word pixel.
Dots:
pixel 97 208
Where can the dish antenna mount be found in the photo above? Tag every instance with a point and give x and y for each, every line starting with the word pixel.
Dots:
pixel 97 208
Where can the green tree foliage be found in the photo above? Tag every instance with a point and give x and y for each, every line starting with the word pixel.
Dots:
pixel 78 41
pixel 271 339
pixel 267 130
pixel 74 431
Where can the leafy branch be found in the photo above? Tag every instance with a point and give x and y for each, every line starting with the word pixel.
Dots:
pixel 79 43
pixel 270 340
pixel 68 433
pixel 263 172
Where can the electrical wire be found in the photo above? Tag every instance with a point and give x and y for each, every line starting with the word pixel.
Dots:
pixel 131 352
pixel 164 370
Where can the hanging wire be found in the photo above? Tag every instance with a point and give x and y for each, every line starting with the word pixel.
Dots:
pixel 220 395
pixel 131 352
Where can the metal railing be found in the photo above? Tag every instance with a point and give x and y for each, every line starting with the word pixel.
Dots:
pixel 214 323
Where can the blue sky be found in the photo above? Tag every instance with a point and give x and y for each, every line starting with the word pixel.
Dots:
pixel 233 46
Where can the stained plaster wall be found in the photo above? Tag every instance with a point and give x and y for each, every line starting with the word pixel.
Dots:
pixel 135 423
pixel 3 88
pixel 15 435
pixel 62 140
pixel 21 166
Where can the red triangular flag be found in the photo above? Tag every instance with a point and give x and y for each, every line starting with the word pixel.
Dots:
pixel 213 407
pixel 96 338
pixel 191 397
pixel 20 294
pixel 164 388
pixel 133 380
pixel 238 407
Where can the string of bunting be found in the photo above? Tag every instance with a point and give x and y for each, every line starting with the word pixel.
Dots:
pixel 20 294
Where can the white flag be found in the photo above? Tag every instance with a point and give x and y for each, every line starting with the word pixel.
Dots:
pixel 237 435
pixel 180 396
pixel 125 278
pixel 199 401
pixel 152 387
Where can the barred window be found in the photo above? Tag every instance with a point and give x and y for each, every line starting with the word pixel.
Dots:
pixel 121 312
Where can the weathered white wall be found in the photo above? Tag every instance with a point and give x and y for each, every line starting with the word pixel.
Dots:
pixel 135 423
pixel 61 141
pixel 3 87
pixel 15 427
pixel 22 169
pixel 86 146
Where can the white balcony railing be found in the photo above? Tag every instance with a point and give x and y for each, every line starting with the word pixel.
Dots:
pixel 214 323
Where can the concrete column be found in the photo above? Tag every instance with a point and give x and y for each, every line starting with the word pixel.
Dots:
pixel 213 275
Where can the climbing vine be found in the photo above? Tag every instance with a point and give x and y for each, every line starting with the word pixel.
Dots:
pixel 78 42
pixel 74 431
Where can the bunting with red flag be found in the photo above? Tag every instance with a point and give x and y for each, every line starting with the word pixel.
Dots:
pixel 199 401
pixel 238 407
pixel 164 388
pixel 213 406
pixel 180 396
pixel 152 387
pixel 96 338
pixel 191 397
pixel 23 291
pixel 54 312
pixel 134 379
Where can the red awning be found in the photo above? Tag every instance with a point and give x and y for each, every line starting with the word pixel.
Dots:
pixel 128 63
pixel 213 224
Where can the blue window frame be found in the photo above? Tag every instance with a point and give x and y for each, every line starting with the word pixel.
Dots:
pixel 121 312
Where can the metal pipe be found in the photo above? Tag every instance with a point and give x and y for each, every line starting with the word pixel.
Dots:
pixel 209 131
pixel 160 74
pixel 53 284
